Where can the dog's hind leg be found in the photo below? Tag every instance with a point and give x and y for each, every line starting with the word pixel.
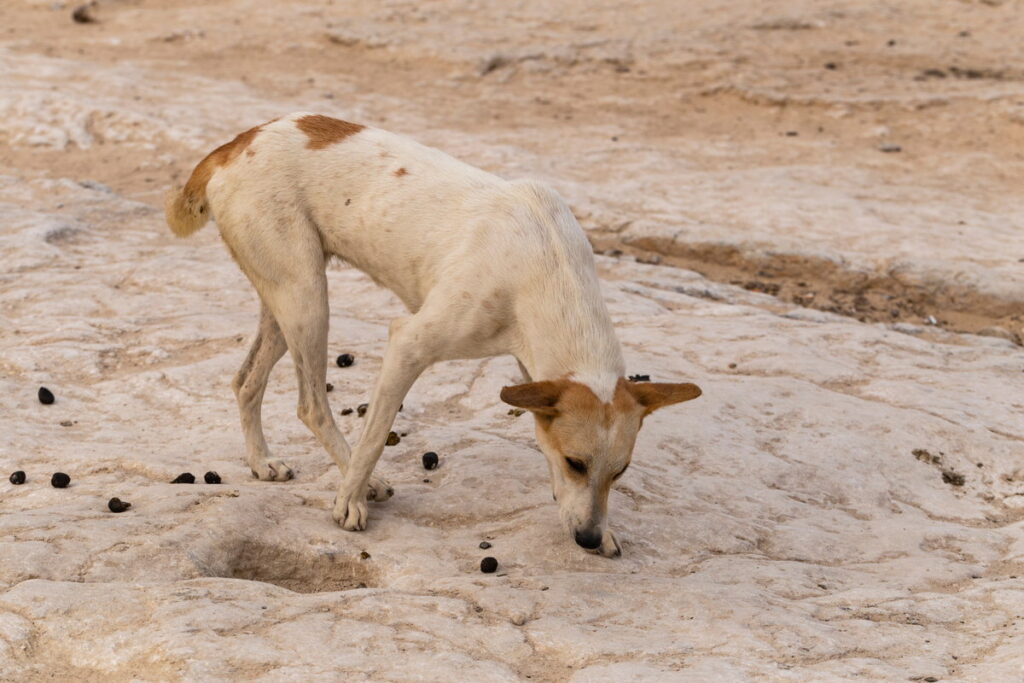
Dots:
pixel 249 385
pixel 298 300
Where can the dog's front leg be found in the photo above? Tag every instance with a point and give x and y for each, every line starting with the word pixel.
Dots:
pixel 407 356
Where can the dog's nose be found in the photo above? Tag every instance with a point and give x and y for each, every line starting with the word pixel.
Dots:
pixel 589 538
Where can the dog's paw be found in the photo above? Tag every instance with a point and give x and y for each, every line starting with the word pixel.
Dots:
pixel 272 470
pixel 350 510
pixel 379 490
pixel 609 545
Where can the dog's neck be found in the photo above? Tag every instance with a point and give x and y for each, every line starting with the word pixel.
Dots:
pixel 567 332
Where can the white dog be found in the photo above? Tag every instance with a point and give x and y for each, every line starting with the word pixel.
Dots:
pixel 485 267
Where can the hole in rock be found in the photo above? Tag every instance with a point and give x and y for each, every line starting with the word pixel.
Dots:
pixel 306 571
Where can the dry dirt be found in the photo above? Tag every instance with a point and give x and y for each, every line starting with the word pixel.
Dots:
pixel 845 501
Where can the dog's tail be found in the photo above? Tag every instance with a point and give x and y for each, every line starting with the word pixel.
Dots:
pixel 187 209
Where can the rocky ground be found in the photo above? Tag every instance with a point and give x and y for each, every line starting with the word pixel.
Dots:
pixel 809 209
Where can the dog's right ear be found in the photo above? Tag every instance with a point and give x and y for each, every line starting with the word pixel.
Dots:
pixel 537 397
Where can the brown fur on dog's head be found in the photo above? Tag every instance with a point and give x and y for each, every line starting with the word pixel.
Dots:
pixel 589 443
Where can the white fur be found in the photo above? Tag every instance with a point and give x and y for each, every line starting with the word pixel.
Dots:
pixel 485 266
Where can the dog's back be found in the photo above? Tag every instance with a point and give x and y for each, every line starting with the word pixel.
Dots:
pixel 404 213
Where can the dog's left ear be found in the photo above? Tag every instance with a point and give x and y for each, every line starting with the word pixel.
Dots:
pixel 538 397
pixel 654 395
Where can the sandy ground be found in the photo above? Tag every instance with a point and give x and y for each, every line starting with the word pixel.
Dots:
pixel 844 502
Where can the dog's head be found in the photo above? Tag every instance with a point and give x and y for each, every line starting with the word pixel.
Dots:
pixel 588 443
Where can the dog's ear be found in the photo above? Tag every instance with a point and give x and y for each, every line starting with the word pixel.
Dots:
pixel 654 395
pixel 538 397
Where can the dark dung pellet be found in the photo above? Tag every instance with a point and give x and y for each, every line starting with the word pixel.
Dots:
pixel 393 439
pixel 330 387
pixel 361 409
pixel 430 460
pixel 484 545
pixel 118 505
pixel 211 478
pixel 45 396
pixel 83 14
pixel 639 378
pixel 60 480
pixel 488 565
pixel 17 478
pixel 184 478
pixel 345 360
pixel 347 411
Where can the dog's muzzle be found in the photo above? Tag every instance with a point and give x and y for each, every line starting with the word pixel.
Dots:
pixel 589 538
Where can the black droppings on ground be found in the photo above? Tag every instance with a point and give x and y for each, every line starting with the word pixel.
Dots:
pixel 430 460
pixel 345 360
pixel 18 478
pixel 890 149
pixel 515 412
pixel 118 505
pixel 639 378
pixel 211 478
pixel 330 387
pixel 732 366
pixel 347 411
pixel 831 66
pixel 953 478
pixel 393 439
pixel 484 545
pixel 426 481
pixel 361 409
pixel 363 555
pixel 184 478
pixel 59 480
pixel 46 396
pixel 488 565
pixel 924 456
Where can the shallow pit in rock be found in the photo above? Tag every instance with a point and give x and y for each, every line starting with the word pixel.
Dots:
pixel 302 571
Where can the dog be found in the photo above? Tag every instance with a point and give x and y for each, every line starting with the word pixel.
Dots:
pixel 485 267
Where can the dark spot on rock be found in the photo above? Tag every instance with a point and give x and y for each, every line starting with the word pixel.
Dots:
pixel 18 478
pixel 59 480
pixel 831 66
pixel 363 555
pixel 361 409
pixel 953 478
pixel 515 412
pixel 430 460
pixel 393 439
pixel 348 201
pixel 347 411
pixel 118 505
pixel 639 378
pixel 211 478
pixel 890 149
pixel 184 478
pixel 488 565
pixel 732 366
pixel 46 396
pixel 330 387
pixel 484 545
pixel 345 360
pixel 791 133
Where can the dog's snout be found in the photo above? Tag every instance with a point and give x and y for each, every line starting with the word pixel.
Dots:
pixel 588 538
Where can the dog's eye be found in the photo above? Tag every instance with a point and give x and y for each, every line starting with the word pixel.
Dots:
pixel 576 465
pixel 621 472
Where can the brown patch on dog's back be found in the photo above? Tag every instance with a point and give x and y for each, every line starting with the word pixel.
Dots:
pixel 400 172
pixel 222 156
pixel 324 131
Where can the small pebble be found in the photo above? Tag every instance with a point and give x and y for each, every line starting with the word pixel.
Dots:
pixel 732 366
pixel 330 387
pixel 45 396
pixel 118 505
pixel 347 411
pixel 426 481
pixel 639 378
pixel 831 66
pixel 345 360
pixel 83 14
pixel 488 565
pixel 363 555
pixel 211 478
pixel 430 460
pixel 515 412
pixel 484 545
pixel 184 478
pixel 361 409
pixel 59 480
pixel 18 478
pixel 393 439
